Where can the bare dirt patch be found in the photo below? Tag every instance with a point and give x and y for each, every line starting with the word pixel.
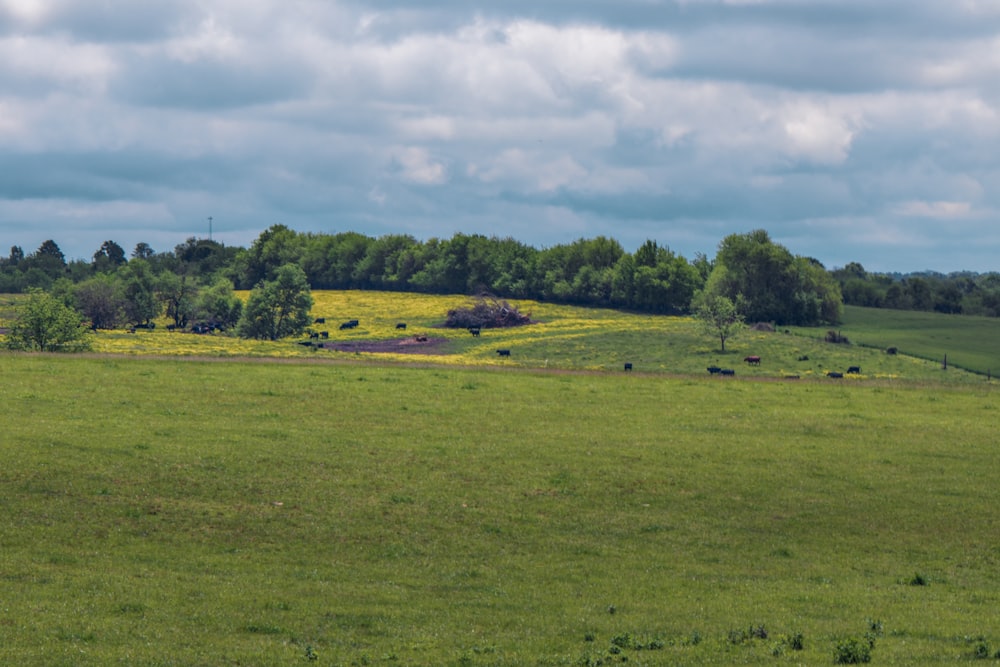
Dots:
pixel 409 345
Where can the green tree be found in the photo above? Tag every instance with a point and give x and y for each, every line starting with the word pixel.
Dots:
pixel 101 301
pixel 719 316
pixel 277 308
pixel 142 251
pixel 218 305
pixel 776 285
pixel 138 287
pixel 178 294
pixel 45 324
pixel 108 257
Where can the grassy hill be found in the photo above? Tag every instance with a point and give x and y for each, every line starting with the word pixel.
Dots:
pixel 972 343
pixel 563 337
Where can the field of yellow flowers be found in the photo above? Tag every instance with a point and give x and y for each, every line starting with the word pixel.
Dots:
pixel 560 338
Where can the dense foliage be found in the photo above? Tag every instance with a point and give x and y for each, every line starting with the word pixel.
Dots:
pixel 193 284
pixel 46 324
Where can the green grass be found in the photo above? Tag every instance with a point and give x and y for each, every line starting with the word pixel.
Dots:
pixel 169 512
pixel 972 343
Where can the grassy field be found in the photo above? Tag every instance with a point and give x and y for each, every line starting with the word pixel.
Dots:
pixel 563 337
pixel 191 512
pixel 197 500
pixel 972 343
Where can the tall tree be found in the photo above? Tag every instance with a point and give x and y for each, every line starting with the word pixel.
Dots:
pixel 277 308
pixel 138 287
pixel 101 301
pixel 776 285
pixel 109 257
pixel 142 251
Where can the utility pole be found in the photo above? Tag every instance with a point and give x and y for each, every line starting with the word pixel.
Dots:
pixel 209 228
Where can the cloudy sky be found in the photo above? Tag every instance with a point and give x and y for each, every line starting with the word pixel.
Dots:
pixel 851 130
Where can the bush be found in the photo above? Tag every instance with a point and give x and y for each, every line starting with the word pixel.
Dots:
pixel 853 652
pixel 836 337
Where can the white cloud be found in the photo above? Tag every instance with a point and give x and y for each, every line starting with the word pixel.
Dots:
pixel 417 166
pixel 934 209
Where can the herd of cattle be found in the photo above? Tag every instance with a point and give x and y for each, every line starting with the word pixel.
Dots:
pixel 754 360
pixel 751 360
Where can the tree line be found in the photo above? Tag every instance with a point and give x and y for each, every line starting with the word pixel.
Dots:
pixel 189 283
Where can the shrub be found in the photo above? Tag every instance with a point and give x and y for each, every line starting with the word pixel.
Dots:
pixel 853 652
pixel 836 337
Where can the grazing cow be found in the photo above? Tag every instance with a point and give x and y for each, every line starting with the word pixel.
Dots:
pixel 475 331
pixel 854 370
pixel 349 324
pixel 313 335
pixel 401 325
pixel 320 320
pixel 628 366
pixel 714 369
pixel 891 350
pixel 324 334
pixel 305 343
pixel 727 371
pixel 835 375
pixel 420 339
pixel 503 353
pixel 753 360
pixel 171 327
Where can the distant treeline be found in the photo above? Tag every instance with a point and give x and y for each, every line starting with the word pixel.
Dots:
pixel 772 284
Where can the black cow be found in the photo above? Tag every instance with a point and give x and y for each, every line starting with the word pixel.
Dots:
pixel 503 353
pixel 320 320
pixel 835 375
pixel 891 350
pixel 401 325
pixel 714 369
pixel 854 370
pixel 171 327
pixel 324 334
pixel 727 371
pixel 475 331
pixel 752 360
pixel 628 366
pixel 349 324
pixel 314 335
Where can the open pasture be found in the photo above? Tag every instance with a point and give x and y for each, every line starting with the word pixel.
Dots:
pixel 972 343
pixel 563 337
pixel 191 512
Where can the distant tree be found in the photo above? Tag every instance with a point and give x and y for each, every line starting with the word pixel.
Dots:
pixel 45 324
pixel 16 255
pixel 138 289
pixel 776 285
pixel 203 258
pixel 48 259
pixel 101 301
pixel 719 317
pixel 277 308
pixel 108 257
pixel 178 294
pixel 218 305
pixel 142 251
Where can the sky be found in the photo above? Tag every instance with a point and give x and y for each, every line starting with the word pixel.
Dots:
pixel 851 130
